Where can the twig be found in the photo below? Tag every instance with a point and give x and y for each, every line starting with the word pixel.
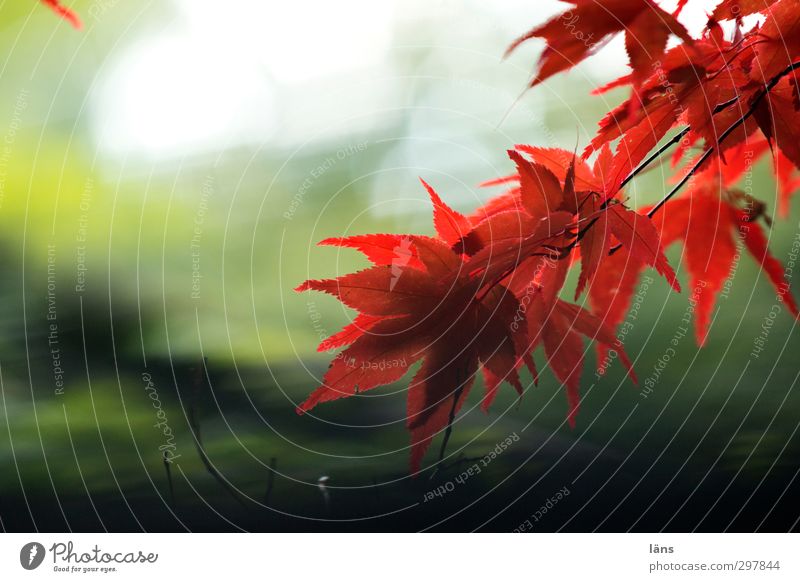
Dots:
pixel 448 431
pixel 169 480
pixel 194 427
pixel 654 156
pixel 682 183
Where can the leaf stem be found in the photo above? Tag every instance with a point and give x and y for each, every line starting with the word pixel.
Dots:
pixel 449 430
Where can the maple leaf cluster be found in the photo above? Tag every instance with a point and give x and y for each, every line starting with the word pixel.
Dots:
pixel 486 291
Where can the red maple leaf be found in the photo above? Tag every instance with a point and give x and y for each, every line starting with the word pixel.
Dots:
pixel 779 116
pixel 575 34
pixel 779 38
pixel 551 183
pixel 426 309
pixel 456 313
pixel 736 9
pixel 788 181
pixel 710 225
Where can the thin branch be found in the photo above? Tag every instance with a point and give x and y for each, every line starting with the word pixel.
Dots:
pixel 706 154
pixel 166 462
pixel 654 156
pixel 448 431
pixel 682 183
pixel 735 125
pixel 194 428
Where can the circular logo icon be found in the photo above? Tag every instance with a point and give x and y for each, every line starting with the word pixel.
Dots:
pixel 31 555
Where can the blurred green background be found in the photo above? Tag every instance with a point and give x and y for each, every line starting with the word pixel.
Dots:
pixel 164 176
